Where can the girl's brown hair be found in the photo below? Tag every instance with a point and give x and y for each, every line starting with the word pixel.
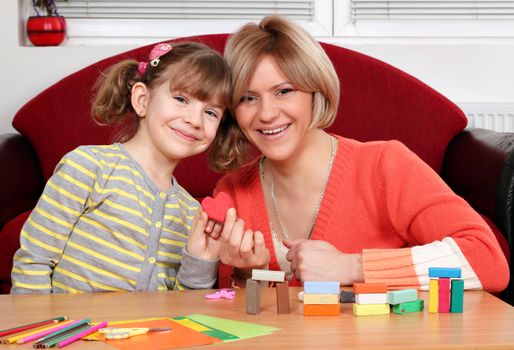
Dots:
pixel 193 68
pixel 299 56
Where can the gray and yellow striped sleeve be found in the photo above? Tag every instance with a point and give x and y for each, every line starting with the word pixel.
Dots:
pixel 46 231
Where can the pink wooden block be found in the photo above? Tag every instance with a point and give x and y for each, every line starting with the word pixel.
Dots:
pixel 444 295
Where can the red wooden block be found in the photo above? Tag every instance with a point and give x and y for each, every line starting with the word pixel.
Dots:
pixel 216 208
pixel 444 295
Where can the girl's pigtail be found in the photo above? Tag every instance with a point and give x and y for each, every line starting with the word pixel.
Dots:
pixel 112 102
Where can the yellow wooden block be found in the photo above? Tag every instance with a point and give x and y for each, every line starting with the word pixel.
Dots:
pixel 370 309
pixel 321 298
pixel 433 296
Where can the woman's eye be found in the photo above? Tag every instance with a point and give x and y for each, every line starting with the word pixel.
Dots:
pixel 212 114
pixel 284 91
pixel 180 99
pixel 244 99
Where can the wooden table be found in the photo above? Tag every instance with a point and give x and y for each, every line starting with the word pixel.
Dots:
pixel 487 322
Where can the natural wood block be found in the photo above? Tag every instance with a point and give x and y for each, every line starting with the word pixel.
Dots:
pixel 371 298
pixel 321 298
pixel 408 307
pixel 402 296
pixel 444 295
pixel 253 297
pixel 282 290
pixel 321 310
pixel 370 309
pixel 363 288
pixel 433 296
pixel 457 296
pixel 268 275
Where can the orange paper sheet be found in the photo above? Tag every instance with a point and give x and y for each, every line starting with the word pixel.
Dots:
pixel 179 337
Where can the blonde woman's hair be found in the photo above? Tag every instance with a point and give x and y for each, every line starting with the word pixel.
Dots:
pixel 193 68
pixel 298 55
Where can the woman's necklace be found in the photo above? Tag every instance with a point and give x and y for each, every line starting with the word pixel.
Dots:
pixel 273 199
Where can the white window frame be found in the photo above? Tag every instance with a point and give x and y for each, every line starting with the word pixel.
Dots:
pixel 416 31
pixel 134 32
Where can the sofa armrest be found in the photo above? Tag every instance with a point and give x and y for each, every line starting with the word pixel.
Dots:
pixel 21 181
pixel 478 166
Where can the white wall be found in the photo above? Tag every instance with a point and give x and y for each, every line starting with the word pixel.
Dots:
pixel 469 74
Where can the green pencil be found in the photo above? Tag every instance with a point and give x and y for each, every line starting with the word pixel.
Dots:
pixel 53 342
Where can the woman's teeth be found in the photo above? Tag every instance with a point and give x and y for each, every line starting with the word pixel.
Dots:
pixel 274 131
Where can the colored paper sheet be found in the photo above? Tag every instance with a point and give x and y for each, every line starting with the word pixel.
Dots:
pixel 216 333
pixel 180 336
pixel 243 330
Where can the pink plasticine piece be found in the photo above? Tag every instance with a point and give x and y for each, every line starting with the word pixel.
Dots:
pixel 222 294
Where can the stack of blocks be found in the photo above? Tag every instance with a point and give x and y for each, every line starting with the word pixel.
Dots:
pixel 321 298
pixel 253 297
pixel 405 301
pixel 445 295
pixel 370 299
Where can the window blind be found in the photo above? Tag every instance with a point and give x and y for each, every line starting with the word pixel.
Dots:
pixel 434 10
pixel 191 9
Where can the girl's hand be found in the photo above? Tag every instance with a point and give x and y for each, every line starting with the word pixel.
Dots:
pixel 321 261
pixel 199 244
pixel 240 248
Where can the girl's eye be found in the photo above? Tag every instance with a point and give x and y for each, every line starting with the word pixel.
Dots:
pixel 180 99
pixel 212 114
pixel 284 91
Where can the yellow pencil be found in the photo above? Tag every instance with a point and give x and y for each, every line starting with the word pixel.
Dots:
pixel 14 339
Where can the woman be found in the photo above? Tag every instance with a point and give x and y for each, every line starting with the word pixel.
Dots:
pixel 331 208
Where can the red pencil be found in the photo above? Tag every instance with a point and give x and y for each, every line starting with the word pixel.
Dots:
pixel 32 325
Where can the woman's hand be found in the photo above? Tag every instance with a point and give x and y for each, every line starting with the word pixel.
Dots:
pixel 240 248
pixel 321 261
pixel 200 244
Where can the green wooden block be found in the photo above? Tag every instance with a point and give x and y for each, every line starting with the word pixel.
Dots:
pixel 457 296
pixel 408 307
pixel 402 296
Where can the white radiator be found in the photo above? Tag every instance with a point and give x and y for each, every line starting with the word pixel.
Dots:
pixel 494 117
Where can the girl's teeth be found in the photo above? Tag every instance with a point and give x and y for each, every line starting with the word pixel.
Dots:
pixel 274 131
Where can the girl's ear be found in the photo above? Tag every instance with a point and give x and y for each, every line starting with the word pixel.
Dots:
pixel 139 98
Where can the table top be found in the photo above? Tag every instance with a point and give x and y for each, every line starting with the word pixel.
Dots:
pixel 487 322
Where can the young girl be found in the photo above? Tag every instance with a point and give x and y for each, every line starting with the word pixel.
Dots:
pixel 113 217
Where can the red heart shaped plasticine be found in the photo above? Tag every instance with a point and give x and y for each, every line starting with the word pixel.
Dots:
pixel 216 208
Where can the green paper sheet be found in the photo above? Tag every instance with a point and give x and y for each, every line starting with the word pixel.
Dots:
pixel 243 330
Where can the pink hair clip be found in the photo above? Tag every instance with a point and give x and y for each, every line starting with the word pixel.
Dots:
pixel 154 57
pixel 222 294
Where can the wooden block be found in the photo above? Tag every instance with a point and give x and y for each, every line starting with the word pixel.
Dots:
pixel 370 309
pixel 313 287
pixel 444 295
pixel 321 298
pixel 444 272
pixel 457 296
pixel 402 296
pixel 433 298
pixel 268 275
pixel 371 298
pixel 253 297
pixel 347 296
pixel 321 310
pixel 408 307
pixel 282 290
pixel 366 288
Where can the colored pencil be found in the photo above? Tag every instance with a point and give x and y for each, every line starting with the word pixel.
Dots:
pixel 64 330
pixel 32 325
pixel 81 335
pixel 13 338
pixel 50 343
pixel 45 331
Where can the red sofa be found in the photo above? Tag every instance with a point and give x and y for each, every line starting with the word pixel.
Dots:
pixel 378 102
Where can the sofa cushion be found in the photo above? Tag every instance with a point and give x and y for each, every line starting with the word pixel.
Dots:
pixel 9 244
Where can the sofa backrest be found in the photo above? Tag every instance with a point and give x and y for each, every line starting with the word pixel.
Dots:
pixel 378 102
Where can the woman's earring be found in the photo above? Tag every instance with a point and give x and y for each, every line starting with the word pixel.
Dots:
pixel 140 114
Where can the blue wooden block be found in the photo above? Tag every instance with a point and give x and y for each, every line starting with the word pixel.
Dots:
pixel 444 272
pixel 312 287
